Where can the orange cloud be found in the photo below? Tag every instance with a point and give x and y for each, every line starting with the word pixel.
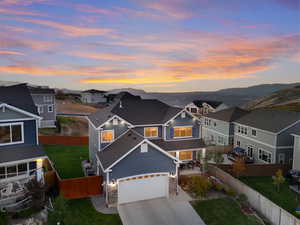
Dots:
pixel 71 30
pixel 19 12
pixel 11 53
pixel 102 56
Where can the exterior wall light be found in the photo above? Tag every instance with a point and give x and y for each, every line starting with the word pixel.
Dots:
pixel 172 174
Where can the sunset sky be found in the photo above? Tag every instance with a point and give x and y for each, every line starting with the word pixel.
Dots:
pixel 166 45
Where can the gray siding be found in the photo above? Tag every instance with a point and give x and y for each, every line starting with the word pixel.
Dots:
pixel 39 100
pixel 29 133
pixel 187 121
pixel 9 114
pixel 218 130
pixel 285 138
pixel 93 144
pixel 137 163
pixel 261 136
pixel 288 155
pixel 296 160
pixel 140 130
pixel 118 130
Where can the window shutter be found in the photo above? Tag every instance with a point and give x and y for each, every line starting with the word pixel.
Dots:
pixel 171 132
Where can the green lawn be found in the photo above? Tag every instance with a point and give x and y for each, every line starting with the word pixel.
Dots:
pixel 67 159
pixel 223 211
pixel 286 198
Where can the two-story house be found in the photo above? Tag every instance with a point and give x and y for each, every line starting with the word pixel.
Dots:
pixel 265 135
pixel 203 107
pixel 296 155
pixel 93 97
pixel 137 144
pixel 21 156
pixel 218 127
pixel 44 99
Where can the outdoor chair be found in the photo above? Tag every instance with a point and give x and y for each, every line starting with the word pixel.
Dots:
pixel 7 191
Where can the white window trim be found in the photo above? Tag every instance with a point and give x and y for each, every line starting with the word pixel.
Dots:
pixel 252 132
pixel 150 136
pixel 182 136
pixel 103 142
pixel 144 148
pixel 50 111
pixel 250 146
pixel 40 107
pixel 261 149
pixel 115 121
pixel 22 133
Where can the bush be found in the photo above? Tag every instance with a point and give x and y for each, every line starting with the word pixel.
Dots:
pixel 3 218
pixel 218 187
pixel 242 198
pixel 200 186
pixel 229 191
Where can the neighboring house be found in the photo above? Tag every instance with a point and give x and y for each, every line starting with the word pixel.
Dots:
pixel 137 145
pixel 296 158
pixel 202 107
pixel 44 99
pixel 93 97
pixel 218 127
pixel 265 135
pixel 21 156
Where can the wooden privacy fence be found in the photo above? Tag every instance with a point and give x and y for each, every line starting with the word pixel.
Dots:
pixel 64 140
pixel 81 187
pixel 274 213
pixel 258 170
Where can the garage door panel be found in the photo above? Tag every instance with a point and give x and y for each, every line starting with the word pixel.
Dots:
pixel 143 189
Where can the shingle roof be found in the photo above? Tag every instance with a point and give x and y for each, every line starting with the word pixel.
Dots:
pixel 119 148
pixel 41 90
pixel 228 115
pixel 136 111
pixel 214 104
pixel 18 96
pixel 269 120
pixel 179 145
pixel 10 154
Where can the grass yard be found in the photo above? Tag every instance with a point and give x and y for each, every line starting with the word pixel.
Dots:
pixel 67 159
pixel 223 211
pixel 83 213
pixel 286 198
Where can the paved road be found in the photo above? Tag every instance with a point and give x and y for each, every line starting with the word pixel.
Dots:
pixel 159 212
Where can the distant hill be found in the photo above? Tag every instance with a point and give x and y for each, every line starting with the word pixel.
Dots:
pixel 231 96
pixel 288 98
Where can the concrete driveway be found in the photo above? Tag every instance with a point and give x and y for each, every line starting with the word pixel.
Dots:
pixel 159 212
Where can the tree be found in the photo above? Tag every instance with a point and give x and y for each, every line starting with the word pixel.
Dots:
pixel 200 185
pixel 239 166
pixel 37 191
pixel 278 179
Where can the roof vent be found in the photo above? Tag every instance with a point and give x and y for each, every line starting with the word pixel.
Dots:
pixel 120 105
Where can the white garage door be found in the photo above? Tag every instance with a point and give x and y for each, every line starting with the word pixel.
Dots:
pixel 143 188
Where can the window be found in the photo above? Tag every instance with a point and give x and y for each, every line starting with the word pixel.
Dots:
pixel 250 151
pixel 215 124
pixel 144 148
pixel 183 115
pixel 11 133
pixel 50 108
pixel 238 143
pixel 48 98
pixel 187 155
pixel 40 109
pixel 253 132
pixel 242 130
pixel 18 170
pixel 115 121
pixel 151 132
pixel 207 122
pixel 265 156
pixel 183 132
pixel 193 110
pixel 220 140
pixel 107 136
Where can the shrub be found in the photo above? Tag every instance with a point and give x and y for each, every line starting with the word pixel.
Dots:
pixel 242 198
pixel 218 187
pixel 3 218
pixel 200 185
pixel 229 191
